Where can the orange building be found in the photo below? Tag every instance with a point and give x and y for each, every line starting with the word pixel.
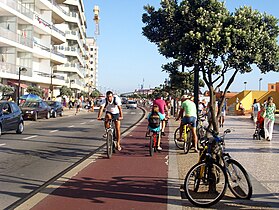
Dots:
pixel 273 87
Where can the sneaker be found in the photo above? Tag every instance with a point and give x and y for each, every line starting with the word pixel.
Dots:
pixel 163 133
pixel 268 139
pixel 105 135
pixel 159 148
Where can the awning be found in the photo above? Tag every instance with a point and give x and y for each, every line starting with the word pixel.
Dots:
pixel 16 84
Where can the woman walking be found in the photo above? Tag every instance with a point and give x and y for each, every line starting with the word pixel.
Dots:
pixel 269 118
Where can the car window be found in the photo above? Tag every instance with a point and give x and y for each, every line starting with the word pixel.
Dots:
pixel 15 107
pixel 132 102
pixel 6 109
pixel 30 104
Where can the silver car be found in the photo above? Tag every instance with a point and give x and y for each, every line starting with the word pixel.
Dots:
pixel 131 105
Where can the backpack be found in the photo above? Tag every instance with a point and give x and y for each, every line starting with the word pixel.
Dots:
pixel 114 102
pixel 154 120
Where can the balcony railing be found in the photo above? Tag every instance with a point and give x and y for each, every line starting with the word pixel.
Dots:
pixel 21 39
pixel 13 69
pixel 16 5
pixel 57 5
pixel 47 24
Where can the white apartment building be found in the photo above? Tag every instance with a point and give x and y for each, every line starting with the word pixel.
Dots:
pixel 47 38
pixel 91 64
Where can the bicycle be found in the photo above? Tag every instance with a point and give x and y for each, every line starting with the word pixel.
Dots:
pixel 186 141
pixel 206 182
pixel 110 138
pixel 153 143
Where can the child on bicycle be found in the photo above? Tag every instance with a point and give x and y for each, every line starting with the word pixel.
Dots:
pixel 154 122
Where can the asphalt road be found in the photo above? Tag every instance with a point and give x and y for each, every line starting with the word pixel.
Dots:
pixel 46 148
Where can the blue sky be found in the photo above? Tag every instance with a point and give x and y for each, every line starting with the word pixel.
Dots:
pixel 127 59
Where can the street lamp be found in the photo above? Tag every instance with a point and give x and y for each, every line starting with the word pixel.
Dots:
pixel 21 69
pixel 245 85
pixel 260 83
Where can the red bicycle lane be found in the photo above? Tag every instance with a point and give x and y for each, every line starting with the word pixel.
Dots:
pixel 131 179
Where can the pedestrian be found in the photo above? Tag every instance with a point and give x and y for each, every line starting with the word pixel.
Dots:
pixel 78 104
pixel 255 110
pixel 223 113
pixel 163 109
pixel 269 118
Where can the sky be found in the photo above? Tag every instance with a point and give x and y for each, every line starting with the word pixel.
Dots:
pixel 128 61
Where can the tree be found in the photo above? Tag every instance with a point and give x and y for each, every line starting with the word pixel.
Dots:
pixel 35 90
pixel 95 93
pixel 5 89
pixel 65 91
pixel 205 36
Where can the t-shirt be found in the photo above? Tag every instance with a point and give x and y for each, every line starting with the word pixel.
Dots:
pixel 270 110
pixel 111 107
pixel 161 103
pixel 256 107
pixel 189 108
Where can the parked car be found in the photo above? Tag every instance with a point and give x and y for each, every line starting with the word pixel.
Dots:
pixel 10 117
pixel 131 105
pixel 34 110
pixel 56 108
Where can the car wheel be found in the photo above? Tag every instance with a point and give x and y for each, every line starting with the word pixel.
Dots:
pixel 20 128
pixel 36 116
pixel 54 114
pixel 61 114
pixel 48 115
pixel 0 130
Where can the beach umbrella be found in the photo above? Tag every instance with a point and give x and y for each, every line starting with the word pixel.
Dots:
pixel 30 97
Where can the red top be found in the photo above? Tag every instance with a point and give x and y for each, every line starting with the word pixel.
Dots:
pixel 161 103
pixel 260 118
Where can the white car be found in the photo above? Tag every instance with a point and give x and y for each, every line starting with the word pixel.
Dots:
pixel 131 105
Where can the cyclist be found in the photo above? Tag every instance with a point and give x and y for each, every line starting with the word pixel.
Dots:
pixel 112 104
pixel 155 118
pixel 163 109
pixel 190 117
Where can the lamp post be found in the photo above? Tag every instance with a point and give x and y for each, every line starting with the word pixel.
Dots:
pixel 51 85
pixel 21 69
pixel 260 83
pixel 245 85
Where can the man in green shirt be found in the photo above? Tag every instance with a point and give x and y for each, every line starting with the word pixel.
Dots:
pixel 189 109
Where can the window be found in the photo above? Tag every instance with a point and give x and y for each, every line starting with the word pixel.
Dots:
pixel 272 87
pixel 91 49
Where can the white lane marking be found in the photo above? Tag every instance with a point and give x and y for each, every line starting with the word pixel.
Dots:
pixel 91 120
pixel 53 131
pixel 30 137
pixel 1 145
pixel 133 113
pixel 71 126
pixel 83 123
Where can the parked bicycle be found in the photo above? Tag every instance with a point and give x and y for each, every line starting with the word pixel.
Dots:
pixel 206 182
pixel 110 138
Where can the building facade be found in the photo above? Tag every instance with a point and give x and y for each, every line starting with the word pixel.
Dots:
pixel 45 42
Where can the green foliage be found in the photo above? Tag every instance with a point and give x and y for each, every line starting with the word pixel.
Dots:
pixel 203 34
pixel 35 90
pixel 5 89
pixel 65 91
pixel 95 93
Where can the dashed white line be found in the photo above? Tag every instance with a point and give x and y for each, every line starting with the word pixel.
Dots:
pixel 91 120
pixel 83 123
pixel 71 126
pixel 1 145
pixel 30 137
pixel 53 131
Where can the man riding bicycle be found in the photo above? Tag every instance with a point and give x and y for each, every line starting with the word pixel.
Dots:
pixel 190 117
pixel 112 104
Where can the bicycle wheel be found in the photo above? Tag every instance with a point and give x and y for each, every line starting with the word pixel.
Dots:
pixel 205 184
pixel 239 181
pixel 109 143
pixel 179 143
pixel 188 142
pixel 151 143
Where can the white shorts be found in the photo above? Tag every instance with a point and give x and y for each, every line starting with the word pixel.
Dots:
pixel 223 113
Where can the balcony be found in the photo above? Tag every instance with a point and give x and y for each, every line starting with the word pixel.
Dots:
pixel 17 38
pixel 75 35
pixel 70 67
pixel 19 7
pixel 71 51
pixel 44 27
pixel 9 70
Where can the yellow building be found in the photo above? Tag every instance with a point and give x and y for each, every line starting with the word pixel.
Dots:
pixel 247 97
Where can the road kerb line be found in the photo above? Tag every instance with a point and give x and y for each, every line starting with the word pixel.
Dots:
pixel 30 137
